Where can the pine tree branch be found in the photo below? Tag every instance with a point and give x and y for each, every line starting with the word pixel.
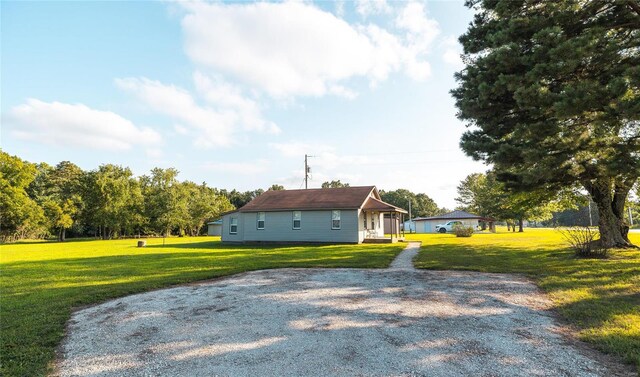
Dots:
pixel 634 6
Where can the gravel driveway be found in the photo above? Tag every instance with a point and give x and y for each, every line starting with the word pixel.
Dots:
pixel 316 322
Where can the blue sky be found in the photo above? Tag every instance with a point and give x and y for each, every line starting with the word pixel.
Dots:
pixel 234 94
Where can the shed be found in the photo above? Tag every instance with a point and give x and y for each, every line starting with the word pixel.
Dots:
pixel 214 228
pixel 428 224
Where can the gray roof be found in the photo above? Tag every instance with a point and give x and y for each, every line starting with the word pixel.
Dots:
pixel 217 222
pixel 455 215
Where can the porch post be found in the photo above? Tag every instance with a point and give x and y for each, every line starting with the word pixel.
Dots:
pixel 391 226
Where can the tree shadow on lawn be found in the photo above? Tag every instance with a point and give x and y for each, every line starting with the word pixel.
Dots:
pixel 29 276
pixel 52 241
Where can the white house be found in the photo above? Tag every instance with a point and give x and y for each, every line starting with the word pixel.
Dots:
pixel 331 215
pixel 428 224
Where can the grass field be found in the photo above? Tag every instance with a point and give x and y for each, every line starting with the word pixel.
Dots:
pixel 599 297
pixel 42 282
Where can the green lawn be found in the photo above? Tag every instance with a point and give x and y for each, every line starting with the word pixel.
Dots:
pixel 600 298
pixel 43 282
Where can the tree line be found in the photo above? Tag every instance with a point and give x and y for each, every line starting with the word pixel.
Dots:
pixel 38 200
pixel 485 195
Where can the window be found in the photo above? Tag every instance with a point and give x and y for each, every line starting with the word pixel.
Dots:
pixel 297 219
pixel 373 221
pixel 260 220
pixel 335 219
pixel 233 225
pixel 364 216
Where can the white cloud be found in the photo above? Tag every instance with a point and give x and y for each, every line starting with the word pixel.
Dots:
pixel 413 17
pixel 452 52
pixel 215 124
pixel 181 130
pixel 211 128
pixel 421 31
pixel 76 125
pixel 339 8
pixel 296 49
pixel 225 95
pixel 371 7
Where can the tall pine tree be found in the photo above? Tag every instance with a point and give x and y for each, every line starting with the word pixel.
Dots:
pixel 551 96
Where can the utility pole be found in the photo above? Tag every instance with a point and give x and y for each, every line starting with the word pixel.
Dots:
pixel 410 218
pixel 307 170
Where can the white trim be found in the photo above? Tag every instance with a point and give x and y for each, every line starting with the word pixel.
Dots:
pixel 299 220
pixel 336 218
pixel 260 217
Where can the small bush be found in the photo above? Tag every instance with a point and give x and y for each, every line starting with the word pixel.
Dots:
pixel 463 231
pixel 584 241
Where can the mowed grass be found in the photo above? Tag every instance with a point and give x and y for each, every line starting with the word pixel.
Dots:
pixel 599 297
pixel 42 282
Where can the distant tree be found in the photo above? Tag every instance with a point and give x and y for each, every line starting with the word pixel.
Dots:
pixel 166 200
pixel 20 216
pixel 633 203
pixel 476 195
pixel 484 195
pixel 421 204
pixel 580 216
pixel 334 184
pixel 240 199
pixel 113 198
pixel 275 187
pixel 59 215
pixel 42 185
pixel 551 92
pixel 204 204
pixel 57 190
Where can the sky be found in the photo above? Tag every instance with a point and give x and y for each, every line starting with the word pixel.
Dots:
pixel 234 94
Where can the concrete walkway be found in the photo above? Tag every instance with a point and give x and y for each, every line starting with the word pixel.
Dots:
pixel 404 260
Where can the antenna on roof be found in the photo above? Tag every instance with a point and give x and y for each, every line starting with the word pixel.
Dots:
pixel 307 171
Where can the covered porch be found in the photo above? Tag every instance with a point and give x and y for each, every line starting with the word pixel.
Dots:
pixel 381 222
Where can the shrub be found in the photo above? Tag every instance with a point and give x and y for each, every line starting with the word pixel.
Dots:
pixel 584 241
pixel 463 231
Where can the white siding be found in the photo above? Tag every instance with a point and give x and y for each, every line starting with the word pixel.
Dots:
pixel 214 229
